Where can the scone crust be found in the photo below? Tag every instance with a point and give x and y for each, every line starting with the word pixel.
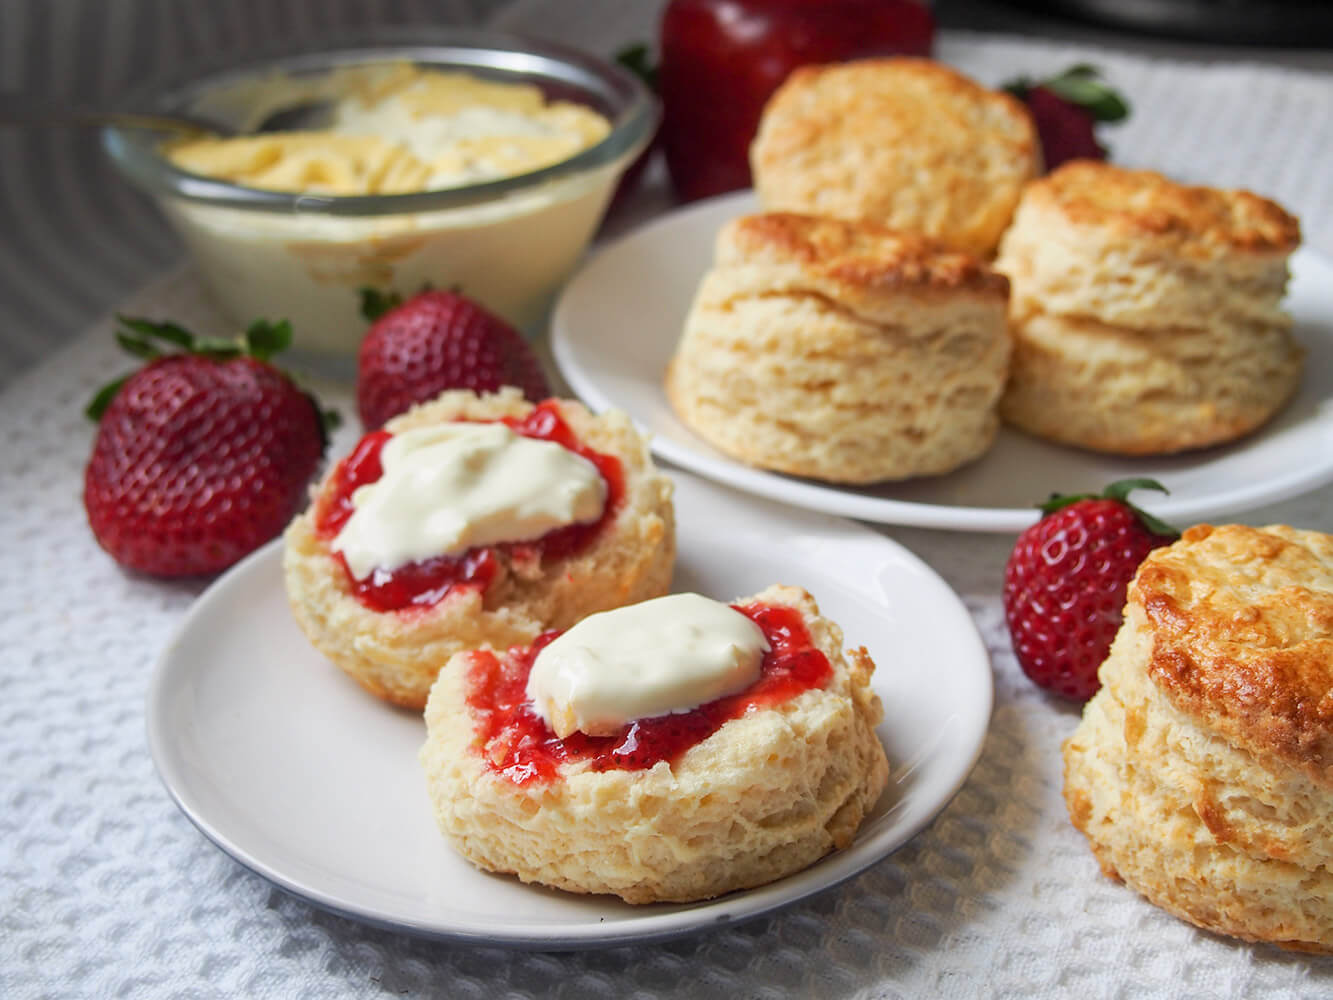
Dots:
pixel 767 795
pixel 396 655
pixel 1145 206
pixel 1149 834
pixel 1126 391
pixel 1199 771
pixel 842 350
pixel 1242 623
pixel 1148 315
pixel 907 142
pixel 856 260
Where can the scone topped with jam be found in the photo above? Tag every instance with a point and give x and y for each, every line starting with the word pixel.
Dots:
pixel 673 750
pixel 474 521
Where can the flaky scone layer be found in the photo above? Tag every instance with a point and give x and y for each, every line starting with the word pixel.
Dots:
pixel 766 795
pixel 1148 315
pixel 842 351
pixel 1200 771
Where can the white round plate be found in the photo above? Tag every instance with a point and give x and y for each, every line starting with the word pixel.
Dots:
pixel 293 770
pixel 616 325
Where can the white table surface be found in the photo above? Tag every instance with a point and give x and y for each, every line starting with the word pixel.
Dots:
pixel 107 890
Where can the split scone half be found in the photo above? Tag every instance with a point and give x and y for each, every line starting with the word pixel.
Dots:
pixel 842 351
pixel 1202 771
pixel 475 521
pixel 1147 315
pixel 652 803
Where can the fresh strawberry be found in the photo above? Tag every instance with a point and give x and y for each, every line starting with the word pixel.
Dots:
pixel 1066 580
pixel 203 454
pixel 434 341
pixel 1066 110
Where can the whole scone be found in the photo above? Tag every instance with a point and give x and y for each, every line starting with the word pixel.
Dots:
pixel 908 143
pixel 1202 771
pixel 842 350
pixel 1147 314
pixel 767 794
pixel 396 654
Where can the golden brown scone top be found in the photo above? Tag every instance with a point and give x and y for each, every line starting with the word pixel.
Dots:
pixel 908 142
pixel 857 255
pixel 1142 204
pixel 1242 637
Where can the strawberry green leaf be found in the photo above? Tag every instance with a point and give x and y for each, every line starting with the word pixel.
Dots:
pixel 1099 100
pixel 264 339
pixel 375 303
pixel 98 404
pixel 173 334
pixel 261 340
pixel 139 346
pixel 1118 491
pixel 218 348
pixel 1081 85
pixel 329 420
pixel 638 60
pixel 1121 488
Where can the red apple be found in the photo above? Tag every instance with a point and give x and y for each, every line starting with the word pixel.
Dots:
pixel 721 59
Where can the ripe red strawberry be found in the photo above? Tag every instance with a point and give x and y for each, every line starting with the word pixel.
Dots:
pixel 435 341
pixel 1067 131
pixel 1066 109
pixel 1066 580
pixel 202 455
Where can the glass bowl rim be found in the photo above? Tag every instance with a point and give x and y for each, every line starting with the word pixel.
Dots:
pixel 634 118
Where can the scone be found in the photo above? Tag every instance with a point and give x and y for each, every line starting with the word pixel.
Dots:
pixel 909 143
pixel 390 584
pixel 842 350
pixel 737 792
pixel 1202 771
pixel 1147 314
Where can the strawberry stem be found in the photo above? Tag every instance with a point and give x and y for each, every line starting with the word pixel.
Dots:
pixel 1080 85
pixel 375 303
pixel 638 59
pixel 263 339
pixel 98 404
pixel 1119 492
pixel 141 337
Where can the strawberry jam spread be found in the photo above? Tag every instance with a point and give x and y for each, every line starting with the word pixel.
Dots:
pixel 423 583
pixel 516 743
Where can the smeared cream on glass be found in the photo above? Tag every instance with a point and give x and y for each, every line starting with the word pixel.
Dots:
pixel 401 129
pixel 667 655
pixel 452 487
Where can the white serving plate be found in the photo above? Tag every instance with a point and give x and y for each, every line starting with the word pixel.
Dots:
pixel 617 323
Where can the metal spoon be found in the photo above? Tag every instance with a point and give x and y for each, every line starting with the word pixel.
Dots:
pixel 30 110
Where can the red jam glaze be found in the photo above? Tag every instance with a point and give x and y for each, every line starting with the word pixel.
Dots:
pixel 516 742
pixel 423 584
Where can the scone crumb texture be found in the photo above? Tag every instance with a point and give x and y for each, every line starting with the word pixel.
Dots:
pixel 736 793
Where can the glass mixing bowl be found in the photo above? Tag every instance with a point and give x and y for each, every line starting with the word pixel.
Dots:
pixel 507 243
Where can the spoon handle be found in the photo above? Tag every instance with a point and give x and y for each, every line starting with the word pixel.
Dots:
pixel 34 111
